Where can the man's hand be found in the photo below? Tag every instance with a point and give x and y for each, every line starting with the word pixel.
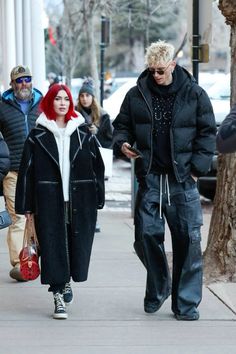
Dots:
pixel 127 152
pixel 194 178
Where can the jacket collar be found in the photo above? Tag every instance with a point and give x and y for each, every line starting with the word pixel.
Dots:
pixel 48 142
pixel 51 125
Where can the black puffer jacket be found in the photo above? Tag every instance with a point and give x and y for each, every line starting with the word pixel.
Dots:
pixel 192 131
pixel 15 125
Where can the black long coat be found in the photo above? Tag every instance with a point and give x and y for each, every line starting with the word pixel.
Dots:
pixel 39 191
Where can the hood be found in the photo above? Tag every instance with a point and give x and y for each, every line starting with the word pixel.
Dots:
pixel 9 95
pixel 180 77
pixel 52 126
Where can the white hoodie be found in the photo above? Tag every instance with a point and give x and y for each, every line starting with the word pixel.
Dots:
pixel 62 137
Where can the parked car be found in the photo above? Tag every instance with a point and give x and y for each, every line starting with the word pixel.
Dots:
pixel 219 94
pixel 113 102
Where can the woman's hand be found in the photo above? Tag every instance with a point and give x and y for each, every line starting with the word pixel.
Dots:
pixel 93 129
pixel 29 216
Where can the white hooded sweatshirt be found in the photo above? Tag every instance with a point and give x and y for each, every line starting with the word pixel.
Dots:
pixel 62 137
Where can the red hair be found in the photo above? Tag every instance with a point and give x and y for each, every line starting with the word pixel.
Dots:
pixel 46 104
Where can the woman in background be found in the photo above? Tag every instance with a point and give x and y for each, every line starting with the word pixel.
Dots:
pixel 95 116
pixel 98 120
pixel 61 183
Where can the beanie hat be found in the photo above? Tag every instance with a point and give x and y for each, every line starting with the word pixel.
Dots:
pixel 87 87
pixel 20 71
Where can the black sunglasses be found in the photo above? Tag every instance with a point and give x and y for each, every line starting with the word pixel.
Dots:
pixel 26 79
pixel 159 71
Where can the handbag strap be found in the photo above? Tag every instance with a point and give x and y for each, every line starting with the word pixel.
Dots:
pixel 30 235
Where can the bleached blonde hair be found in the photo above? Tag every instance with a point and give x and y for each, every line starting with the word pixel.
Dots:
pixel 159 52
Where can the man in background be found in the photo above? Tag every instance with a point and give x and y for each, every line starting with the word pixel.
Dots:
pixel 18 113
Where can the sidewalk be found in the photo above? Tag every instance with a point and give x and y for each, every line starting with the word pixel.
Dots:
pixel 107 315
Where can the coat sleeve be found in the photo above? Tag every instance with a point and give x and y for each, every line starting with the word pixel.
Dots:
pixel 226 137
pixel 99 169
pixel 123 127
pixel 105 131
pixel 24 201
pixel 4 158
pixel 204 143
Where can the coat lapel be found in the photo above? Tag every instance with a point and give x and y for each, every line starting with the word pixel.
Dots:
pixel 75 143
pixel 48 143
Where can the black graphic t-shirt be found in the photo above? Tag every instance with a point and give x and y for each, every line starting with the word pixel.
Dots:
pixel 162 114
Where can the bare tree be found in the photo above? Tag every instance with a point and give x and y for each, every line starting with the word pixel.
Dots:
pixel 64 54
pixel 72 25
pixel 220 254
pixel 90 9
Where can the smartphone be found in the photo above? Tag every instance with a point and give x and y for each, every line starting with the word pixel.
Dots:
pixel 136 151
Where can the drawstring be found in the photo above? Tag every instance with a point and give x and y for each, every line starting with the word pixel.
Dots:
pixel 160 203
pixel 166 190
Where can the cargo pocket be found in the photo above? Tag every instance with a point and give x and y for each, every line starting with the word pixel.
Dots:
pixel 193 210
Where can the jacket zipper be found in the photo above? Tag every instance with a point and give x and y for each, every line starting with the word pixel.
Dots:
pixel 174 162
pixel 151 134
pixel 26 125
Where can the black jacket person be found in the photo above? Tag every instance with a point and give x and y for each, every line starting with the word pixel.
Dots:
pixel 171 121
pixel 61 182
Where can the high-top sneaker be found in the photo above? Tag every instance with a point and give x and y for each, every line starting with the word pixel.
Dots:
pixel 60 307
pixel 67 294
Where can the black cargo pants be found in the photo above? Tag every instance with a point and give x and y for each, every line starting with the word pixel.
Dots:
pixel 161 198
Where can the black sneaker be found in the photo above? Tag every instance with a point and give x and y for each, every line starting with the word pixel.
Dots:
pixel 153 306
pixel 67 294
pixel 60 307
pixel 193 317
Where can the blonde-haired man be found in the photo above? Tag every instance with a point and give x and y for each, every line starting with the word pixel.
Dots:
pixel 170 120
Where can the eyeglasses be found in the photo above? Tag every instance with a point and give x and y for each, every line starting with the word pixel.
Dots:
pixel 26 79
pixel 158 71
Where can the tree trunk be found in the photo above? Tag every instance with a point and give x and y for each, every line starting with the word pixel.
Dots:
pixel 220 254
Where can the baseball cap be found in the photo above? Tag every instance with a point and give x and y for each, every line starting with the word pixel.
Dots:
pixel 20 71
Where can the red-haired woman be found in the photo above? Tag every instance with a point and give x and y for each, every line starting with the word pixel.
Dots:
pixel 61 182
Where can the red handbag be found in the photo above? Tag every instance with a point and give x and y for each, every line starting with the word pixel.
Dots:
pixel 29 259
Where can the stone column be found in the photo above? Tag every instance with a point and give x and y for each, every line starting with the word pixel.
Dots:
pixel 27 30
pixel 8 48
pixel 19 31
pixel 37 46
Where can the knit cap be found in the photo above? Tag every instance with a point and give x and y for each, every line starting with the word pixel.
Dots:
pixel 87 87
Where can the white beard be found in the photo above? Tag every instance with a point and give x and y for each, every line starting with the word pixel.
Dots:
pixel 24 94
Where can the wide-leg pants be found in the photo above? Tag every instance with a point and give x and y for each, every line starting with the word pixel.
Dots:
pixel 183 213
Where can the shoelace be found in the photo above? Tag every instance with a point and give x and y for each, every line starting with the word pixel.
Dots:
pixel 59 302
pixel 67 289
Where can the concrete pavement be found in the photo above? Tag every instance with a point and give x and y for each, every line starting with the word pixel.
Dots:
pixel 107 315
